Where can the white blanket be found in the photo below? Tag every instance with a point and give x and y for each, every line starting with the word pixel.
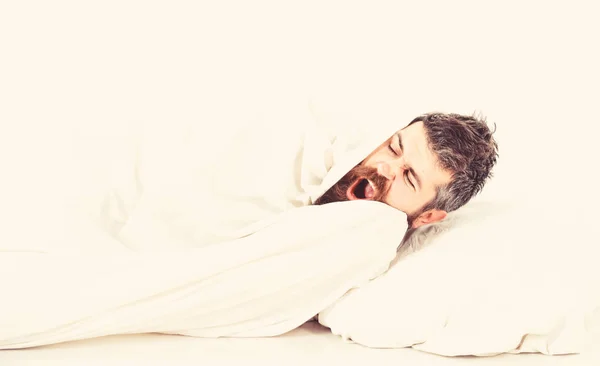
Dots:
pixel 194 185
pixel 262 285
pixel 151 232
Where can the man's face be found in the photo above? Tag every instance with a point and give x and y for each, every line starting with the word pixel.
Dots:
pixel 402 173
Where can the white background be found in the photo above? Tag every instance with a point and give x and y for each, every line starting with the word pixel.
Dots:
pixel 531 67
pixel 77 74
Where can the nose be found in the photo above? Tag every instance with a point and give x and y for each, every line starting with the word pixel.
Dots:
pixel 386 170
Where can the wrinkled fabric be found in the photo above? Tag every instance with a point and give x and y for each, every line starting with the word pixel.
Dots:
pixel 262 285
pixel 174 229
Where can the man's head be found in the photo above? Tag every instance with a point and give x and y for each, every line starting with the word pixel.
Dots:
pixel 433 166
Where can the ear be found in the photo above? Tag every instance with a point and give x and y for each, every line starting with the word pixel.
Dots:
pixel 428 217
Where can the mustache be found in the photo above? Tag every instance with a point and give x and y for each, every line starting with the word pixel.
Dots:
pixel 337 193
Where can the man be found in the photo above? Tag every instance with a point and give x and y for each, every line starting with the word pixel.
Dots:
pixel 433 166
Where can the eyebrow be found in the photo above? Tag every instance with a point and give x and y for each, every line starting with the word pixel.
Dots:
pixel 410 169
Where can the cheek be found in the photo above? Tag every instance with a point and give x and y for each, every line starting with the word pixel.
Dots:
pixel 400 196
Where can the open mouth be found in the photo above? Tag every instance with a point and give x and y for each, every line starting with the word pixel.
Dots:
pixel 362 189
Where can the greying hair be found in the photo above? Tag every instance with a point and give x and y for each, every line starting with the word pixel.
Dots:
pixel 465 147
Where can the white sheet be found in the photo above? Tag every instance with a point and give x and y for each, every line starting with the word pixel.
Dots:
pixel 307 345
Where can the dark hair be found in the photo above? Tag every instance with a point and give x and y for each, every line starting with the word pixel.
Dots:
pixel 465 147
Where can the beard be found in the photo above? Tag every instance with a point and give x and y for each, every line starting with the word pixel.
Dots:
pixel 363 182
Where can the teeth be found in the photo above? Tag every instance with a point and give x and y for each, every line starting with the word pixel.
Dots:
pixel 371 184
pixel 373 192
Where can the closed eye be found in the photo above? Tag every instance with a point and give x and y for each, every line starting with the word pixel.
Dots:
pixel 392 150
pixel 406 174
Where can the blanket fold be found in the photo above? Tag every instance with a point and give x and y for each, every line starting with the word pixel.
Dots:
pixel 261 285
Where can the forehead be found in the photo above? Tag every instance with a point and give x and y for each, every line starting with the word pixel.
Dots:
pixel 420 157
pixel 416 136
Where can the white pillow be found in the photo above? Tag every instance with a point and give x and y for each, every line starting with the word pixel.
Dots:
pixel 484 281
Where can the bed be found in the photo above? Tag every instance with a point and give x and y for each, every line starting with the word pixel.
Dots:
pixel 310 344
